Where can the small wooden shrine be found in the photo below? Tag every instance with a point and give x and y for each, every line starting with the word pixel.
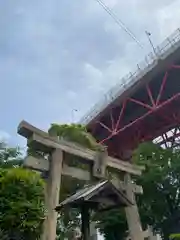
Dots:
pixel 99 197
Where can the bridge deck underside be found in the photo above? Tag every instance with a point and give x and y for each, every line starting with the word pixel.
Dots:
pixel 148 113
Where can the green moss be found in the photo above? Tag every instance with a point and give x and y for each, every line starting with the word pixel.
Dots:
pixel 75 133
pixel 175 236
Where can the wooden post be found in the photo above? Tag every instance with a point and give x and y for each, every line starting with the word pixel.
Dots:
pixel 85 222
pixel 132 214
pixel 52 194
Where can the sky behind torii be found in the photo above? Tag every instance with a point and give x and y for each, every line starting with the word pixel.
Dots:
pixel 56 56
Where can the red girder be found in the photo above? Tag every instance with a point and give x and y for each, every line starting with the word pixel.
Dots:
pixel 120 116
pixel 106 127
pixel 162 88
pixel 153 110
pixel 140 103
pixel 112 120
pixel 159 109
pixel 150 95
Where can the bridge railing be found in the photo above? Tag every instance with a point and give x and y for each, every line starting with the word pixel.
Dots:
pixel 168 46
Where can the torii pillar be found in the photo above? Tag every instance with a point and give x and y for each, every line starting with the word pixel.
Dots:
pixel 132 213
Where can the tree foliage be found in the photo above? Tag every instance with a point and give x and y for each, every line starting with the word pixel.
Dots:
pixel 21 198
pixel 112 224
pixel 21 203
pixel 9 156
pixel 175 236
pixel 159 205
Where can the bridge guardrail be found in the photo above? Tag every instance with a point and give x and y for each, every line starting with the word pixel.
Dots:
pixel 169 45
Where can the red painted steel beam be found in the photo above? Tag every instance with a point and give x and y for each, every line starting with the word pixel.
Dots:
pixel 120 115
pixel 162 88
pixel 164 104
pixel 150 96
pixel 140 129
pixel 106 127
pixel 112 121
pixel 148 133
pixel 140 103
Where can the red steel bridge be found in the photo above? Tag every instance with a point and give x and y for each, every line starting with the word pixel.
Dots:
pixel 144 106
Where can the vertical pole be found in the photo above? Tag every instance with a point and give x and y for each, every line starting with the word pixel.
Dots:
pixel 148 34
pixel 132 215
pixel 52 194
pixel 93 231
pixel 85 222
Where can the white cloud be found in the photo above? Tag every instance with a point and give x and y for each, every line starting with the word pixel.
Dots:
pixel 56 55
pixel 93 77
pixel 169 19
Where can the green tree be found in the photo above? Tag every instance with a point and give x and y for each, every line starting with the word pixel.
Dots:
pixel 21 203
pixel 174 236
pixel 159 205
pixel 9 156
pixel 21 197
pixel 112 224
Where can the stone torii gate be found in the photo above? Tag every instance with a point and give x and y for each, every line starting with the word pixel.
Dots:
pixel 98 163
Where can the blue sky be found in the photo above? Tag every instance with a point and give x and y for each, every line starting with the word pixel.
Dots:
pixel 56 56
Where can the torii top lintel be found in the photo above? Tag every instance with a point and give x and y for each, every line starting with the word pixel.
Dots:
pixel 43 141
